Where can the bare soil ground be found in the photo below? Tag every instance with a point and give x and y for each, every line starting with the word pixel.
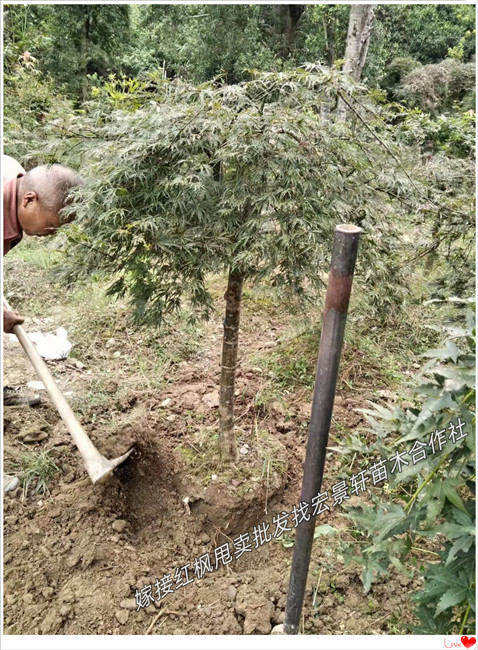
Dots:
pixel 74 557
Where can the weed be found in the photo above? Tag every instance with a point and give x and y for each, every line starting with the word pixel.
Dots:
pixel 286 540
pixel 37 472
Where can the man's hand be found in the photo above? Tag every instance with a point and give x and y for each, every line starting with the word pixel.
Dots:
pixel 10 319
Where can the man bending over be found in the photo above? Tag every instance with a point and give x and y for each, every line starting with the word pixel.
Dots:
pixel 31 205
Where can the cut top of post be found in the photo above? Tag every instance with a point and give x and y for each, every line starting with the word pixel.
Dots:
pixel 348 228
pixel 344 250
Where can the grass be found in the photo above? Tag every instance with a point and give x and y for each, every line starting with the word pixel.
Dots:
pixel 40 253
pixel 37 472
pixel 374 354
pixel 264 461
pixel 101 328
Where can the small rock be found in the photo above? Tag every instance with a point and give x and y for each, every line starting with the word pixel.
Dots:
pixel 232 593
pixel 171 417
pixel 10 482
pixel 122 616
pixel 72 560
pixel 129 603
pixel 278 629
pixel 119 525
pixel 213 477
pixel 65 610
pixel 243 450
pixel 28 599
pixel 47 592
pixel 78 364
pixel 165 403
pixel 205 539
pixel 36 437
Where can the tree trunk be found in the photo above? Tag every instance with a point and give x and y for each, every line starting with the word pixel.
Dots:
pixel 358 41
pixel 233 297
pixel 85 29
pixel 291 15
pixel 329 33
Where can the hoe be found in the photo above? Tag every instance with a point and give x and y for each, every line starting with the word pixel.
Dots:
pixel 97 466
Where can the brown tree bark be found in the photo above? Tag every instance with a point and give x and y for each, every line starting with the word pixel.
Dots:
pixel 329 33
pixel 291 15
pixel 233 297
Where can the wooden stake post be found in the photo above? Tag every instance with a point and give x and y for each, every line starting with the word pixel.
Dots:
pixel 339 287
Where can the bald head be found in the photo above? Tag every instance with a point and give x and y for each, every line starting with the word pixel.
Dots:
pixel 41 194
pixel 51 184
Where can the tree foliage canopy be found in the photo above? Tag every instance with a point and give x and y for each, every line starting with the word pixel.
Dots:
pixel 246 177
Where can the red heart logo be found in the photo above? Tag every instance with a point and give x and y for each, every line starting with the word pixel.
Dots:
pixel 468 641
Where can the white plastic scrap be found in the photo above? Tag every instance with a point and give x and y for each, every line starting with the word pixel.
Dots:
pixel 36 385
pixel 50 346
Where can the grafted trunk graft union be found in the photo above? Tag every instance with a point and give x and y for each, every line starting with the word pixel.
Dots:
pixel 233 297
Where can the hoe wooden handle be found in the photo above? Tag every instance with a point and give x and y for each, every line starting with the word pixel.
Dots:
pixel 97 465
pixel 81 439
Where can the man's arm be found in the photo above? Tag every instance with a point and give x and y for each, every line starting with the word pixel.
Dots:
pixel 10 319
